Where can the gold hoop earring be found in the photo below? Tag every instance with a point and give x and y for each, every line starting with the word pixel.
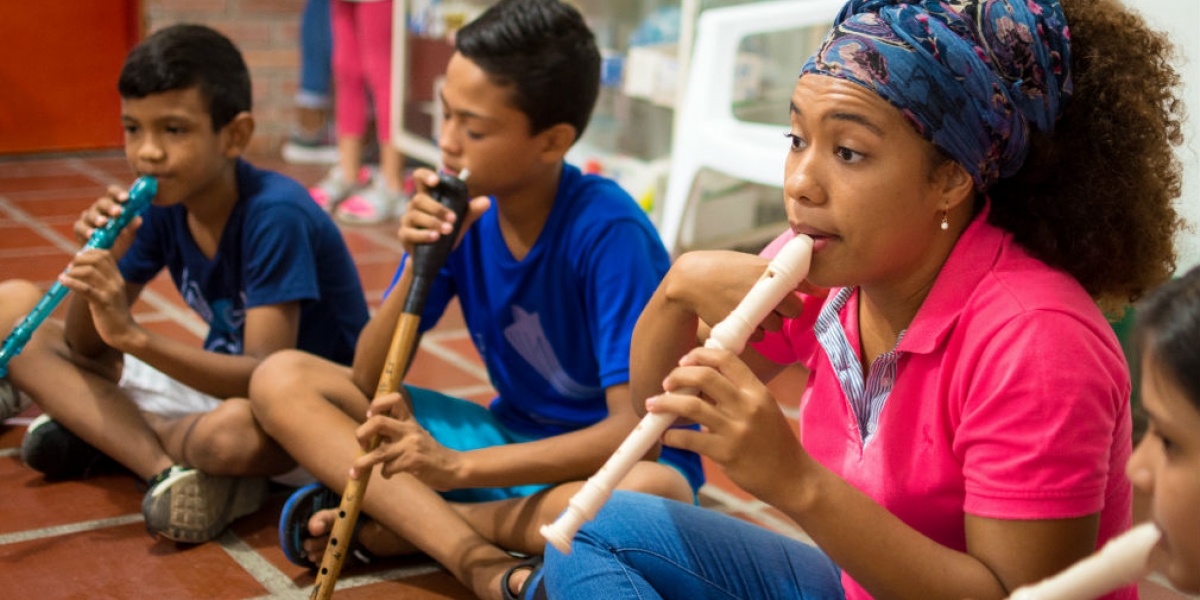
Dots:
pixel 945 219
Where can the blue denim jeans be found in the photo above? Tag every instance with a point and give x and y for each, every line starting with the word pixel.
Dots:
pixel 316 55
pixel 642 546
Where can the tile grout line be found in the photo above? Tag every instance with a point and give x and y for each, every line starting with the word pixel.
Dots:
pixel 184 318
pixel 266 574
pixel 468 390
pixel 445 335
pixel 290 590
pixel 57 530
pixel 433 346
pixel 387 241
pixel 50 195
pixel 98 175
pixel 1162 581
pixel 395 574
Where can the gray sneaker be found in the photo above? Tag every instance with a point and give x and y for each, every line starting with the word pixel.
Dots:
pixel 311 148
pixel 12 402
pixel 186 505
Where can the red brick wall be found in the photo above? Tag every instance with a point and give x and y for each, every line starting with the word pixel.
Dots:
pixel 267 32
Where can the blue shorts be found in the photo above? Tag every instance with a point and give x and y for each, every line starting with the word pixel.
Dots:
pixel 463 425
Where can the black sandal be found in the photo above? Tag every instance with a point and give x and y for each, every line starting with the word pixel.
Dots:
pixel 533 564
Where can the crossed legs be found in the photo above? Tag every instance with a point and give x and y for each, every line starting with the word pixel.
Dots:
pixel 83 394
pixel 311 407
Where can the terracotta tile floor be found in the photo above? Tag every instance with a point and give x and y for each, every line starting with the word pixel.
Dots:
pixel 86 539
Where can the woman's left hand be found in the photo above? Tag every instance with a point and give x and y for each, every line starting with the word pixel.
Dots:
pixel 742 427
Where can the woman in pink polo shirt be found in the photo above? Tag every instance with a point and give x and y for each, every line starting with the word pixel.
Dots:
pixel 976 178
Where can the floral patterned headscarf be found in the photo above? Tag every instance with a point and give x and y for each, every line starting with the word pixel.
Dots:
pixel 971 75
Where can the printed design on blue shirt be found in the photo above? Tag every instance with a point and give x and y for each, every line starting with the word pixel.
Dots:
pixel 528 338
pixel 194 296
pixel 225 317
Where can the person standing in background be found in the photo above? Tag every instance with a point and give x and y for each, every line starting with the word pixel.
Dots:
pixel 312 139
pixel 362 66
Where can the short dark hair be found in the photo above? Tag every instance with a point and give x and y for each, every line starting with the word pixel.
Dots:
pixel 183 56
pixel 1168 328
pixel 545 51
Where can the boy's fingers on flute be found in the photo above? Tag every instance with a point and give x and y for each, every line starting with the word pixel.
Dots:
pixel 392 404
pixel 403 449
pixel 379 444
pixel 378 430
pixel 104 209
pixel 426 215
pixel 367 461
pixel 425 178
pixel 112 203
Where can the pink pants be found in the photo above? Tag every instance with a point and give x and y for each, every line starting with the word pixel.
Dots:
pixel 362 62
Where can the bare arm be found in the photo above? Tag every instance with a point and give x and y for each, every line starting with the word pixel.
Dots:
pixel 100 321
pixel 375 338
pixel 892 560
pixel 80 331
pixel 700 290
pixel 566 457
pixel 268 329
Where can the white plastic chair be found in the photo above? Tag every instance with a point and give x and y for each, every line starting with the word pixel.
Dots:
pixel 706 133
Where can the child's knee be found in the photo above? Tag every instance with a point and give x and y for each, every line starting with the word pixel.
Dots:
pixel 658 479
pixel 278 373
pixel 226 441
pixel 17 299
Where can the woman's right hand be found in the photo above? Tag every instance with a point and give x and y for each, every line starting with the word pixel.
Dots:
pixel 740 421
pixel 426 220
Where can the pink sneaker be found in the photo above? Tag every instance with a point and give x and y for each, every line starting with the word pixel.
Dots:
pixel 374 204
pixel 334 189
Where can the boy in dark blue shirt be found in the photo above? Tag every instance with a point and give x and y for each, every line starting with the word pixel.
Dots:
pixel 249 251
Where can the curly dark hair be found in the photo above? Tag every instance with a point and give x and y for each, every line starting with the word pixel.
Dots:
pixel 1096 198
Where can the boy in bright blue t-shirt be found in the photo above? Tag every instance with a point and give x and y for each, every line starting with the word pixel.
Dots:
pixel 579 290
pixel 247 249
pixel 551 273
